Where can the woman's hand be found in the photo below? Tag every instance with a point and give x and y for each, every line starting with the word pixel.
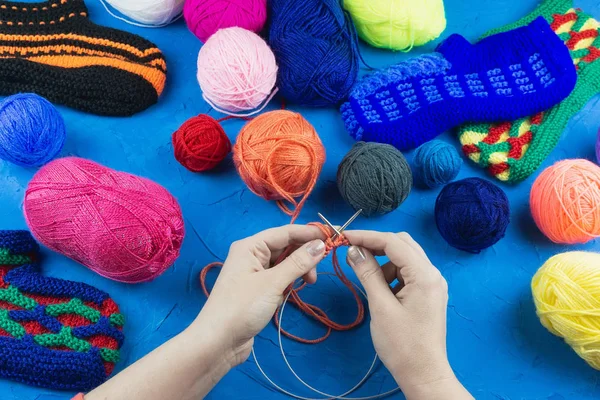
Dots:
pixel 248 291
pixel 408 321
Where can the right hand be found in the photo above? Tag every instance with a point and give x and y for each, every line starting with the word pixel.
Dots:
pixel 408 321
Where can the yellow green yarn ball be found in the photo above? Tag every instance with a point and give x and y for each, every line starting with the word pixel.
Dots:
pixel 566 292
pixel 397 24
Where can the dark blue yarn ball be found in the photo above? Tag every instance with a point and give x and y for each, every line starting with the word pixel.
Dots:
pixel 472 214
pixel 316 48
pixel 32 132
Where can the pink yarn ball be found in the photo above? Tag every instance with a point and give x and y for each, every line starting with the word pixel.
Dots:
pixel 205 17
pixel 237 71
pixel 123 227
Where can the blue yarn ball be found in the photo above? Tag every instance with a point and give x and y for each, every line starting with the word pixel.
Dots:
pixel 32 132
pixel 436 163
pixel 472 214
pixel 316 48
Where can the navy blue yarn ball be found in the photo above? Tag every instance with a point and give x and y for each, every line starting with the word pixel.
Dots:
pixel 32 132
pixel 436 163
pixel 316 47
pixel 472 214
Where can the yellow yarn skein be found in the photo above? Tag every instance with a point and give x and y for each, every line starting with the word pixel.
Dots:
pixel 397 24
pixel 566 291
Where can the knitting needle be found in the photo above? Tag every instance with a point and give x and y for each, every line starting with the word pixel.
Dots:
pixel 330 225
pixel 346 225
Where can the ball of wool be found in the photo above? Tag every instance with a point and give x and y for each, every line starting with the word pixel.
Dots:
pixel 279 156
pixel 567 298
pixel 565 201
pixel 200 143
pixel 315 46
pixel 148 12
pixel 236 71
pixel 397 24
pixel 472 214
pixel 205 17
pixel 436 163
pixel 122 226
pixel 374 177
pixel 32 132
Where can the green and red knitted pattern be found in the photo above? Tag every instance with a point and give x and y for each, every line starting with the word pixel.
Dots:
pixel 53 333
pixel 512 151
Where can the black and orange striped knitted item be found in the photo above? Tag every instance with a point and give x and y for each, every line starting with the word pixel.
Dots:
pixel 53 49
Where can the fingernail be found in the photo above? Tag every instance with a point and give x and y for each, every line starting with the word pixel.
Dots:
pixel 316 248
pixel 356 256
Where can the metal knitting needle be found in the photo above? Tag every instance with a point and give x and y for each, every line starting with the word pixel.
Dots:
pixel 330 225
pixel 343 228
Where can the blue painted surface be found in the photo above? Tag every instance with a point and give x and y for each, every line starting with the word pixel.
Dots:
pixel 495 342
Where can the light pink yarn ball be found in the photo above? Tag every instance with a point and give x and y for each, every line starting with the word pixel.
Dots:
pixel 119 225
pixel 236 70
pixel 205 17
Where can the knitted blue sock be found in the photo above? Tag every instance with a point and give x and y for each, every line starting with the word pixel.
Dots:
pixel 502 78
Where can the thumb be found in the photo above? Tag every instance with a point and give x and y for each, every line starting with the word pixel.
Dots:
pixel 299 263
pixel 369 273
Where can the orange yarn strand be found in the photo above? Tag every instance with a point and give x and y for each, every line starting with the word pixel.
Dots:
pixel 311 310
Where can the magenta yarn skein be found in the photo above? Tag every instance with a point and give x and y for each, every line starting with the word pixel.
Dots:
pixel 206 17
pixel 122 226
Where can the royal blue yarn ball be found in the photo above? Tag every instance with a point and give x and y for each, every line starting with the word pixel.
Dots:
pixel 436 163
pixel 32 132
pixel 472 214
pixel 316 49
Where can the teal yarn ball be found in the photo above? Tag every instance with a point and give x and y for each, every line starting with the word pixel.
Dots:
pixel 436 163
pixel 32 132
pixel 374 177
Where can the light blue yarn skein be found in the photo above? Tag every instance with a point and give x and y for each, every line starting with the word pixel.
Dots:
pixel 32 132
pixel 436 163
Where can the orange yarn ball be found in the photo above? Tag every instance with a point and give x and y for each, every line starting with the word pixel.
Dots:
pixel 280 156
pixel 200 143
pixel 565 201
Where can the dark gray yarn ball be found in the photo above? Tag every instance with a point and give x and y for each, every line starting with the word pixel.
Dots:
pixel 374 177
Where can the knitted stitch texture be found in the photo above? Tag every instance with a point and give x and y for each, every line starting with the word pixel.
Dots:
pixel 512 151
pixel 54 333
pixel 52 49
pixel 506 76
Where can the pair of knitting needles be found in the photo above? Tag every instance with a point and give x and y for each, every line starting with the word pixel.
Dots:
pixel 338 232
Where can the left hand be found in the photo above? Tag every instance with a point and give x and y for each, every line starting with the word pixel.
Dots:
pixel 249 290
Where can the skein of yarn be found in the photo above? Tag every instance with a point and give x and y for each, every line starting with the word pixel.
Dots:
pixel 206 17
pixel 237 72
pixel 122 226
pixel 472 214
pixel 374 177
pixel 146 13
pixel 436 163
pixel 565 201
pixel 397 24
pixel 566 292
pixel 200 143
pixel 280 156
pixel 317 51
pixel 32 132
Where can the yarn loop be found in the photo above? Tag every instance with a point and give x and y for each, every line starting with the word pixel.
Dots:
pixel 32 132
pixel 436 163
pixel 566 291
pixel 200 143
pixel 122 226
pixel 565 201
pixel 472 214
pixel 374 177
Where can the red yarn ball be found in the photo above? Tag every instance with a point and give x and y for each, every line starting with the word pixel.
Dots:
pixel 200 143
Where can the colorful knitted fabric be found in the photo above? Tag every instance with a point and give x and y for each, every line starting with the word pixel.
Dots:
pixel 52 49
pixel 54 333
pixel 506 76
pixel 512 151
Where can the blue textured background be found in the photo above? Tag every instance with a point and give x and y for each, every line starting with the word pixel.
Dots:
pixel 496 344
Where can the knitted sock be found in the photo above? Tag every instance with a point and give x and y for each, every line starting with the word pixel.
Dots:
pixel 53 49
pixel 507 76
pixel 54 333
pixel 512 151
